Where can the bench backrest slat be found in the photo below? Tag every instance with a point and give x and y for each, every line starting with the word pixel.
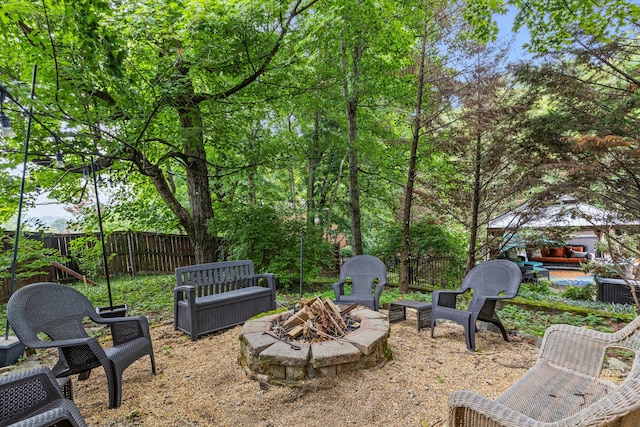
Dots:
pixel 217 277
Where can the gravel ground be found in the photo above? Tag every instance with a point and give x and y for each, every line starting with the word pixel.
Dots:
pixel 202 384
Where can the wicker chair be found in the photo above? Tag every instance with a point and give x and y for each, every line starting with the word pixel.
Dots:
pixel 363 270
pixel 33 398
pixel 58 311
pixel 491 281
pixel 563 388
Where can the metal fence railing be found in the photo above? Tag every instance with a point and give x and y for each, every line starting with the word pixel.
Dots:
pixel 428 272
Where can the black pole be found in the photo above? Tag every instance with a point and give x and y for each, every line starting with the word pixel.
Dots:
pixel 301 260
pixel 104 246
pixel 20 202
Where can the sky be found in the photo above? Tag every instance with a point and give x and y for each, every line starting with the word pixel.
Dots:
pixel 505 25
pixel 45 207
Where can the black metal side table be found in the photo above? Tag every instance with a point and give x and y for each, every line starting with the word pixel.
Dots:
pixel 398 312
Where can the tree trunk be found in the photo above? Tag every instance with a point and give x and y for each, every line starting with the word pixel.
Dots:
pixel 475 208
pixel 354 187
pixel 334 196
pixel 405 250
pixel 251 185
pixel 205 245
pixel 350 89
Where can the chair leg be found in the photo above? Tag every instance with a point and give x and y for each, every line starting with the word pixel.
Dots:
pixel 115 392
pixel 153 362
pixel 498 323
pixel 470 334
pixel 84 375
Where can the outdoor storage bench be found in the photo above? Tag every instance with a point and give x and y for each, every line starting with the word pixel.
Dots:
pixel 219 295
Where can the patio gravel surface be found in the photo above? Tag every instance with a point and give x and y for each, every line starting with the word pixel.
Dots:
pixel 201 383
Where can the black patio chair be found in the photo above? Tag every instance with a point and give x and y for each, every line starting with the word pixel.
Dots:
pixel 490 282
pixel 363 270
pixel 33 398
pixel 58 311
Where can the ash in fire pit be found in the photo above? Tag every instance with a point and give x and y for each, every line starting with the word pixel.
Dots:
pixel 291 347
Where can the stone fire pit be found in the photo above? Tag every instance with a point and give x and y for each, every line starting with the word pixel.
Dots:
pixel 267 359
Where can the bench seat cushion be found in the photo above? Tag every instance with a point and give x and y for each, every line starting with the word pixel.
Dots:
pixel 237 295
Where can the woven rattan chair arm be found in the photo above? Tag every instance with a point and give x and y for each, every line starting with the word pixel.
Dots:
pixel 473 410
pixel 61 343
pixel 449 297
pixel 379 288
pixel 470 409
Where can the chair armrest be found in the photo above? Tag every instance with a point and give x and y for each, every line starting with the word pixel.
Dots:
pixel 63 410
pixel 338 289
pixel 126 329
pixel 478 410
pixel 271 281
pixel 61 343
pixel 576 348
pixel 445 298
pixel 180 291
pixel 379 288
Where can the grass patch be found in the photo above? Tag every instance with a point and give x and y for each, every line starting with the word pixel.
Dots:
pixel 532 313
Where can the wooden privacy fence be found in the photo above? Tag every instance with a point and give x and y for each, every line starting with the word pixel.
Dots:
pixel 129 253
pixel 134 253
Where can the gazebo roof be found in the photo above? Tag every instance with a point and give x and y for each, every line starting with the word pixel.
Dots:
pixel 569 212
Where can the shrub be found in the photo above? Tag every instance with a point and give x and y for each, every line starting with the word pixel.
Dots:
pixel 427 240
pixel 32 258
pixel 580 293
pixel 540 287
pixel 261 234
pixel 86 251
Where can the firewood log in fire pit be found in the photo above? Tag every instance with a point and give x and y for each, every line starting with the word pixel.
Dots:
pixel 317 320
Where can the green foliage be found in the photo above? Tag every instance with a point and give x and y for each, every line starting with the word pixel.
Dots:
pixel 580 293
pixel 426 239
pixel 346 252
pixel 261 234
pixel 32 258
pixel 540 287
pixel 537 322
pixel 87 253
pixel 555 23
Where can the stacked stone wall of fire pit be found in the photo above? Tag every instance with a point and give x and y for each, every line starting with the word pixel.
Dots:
pixel 267 359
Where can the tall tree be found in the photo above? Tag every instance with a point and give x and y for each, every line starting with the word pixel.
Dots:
pixel 427 108
pixel 485 165
pixel 147 86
